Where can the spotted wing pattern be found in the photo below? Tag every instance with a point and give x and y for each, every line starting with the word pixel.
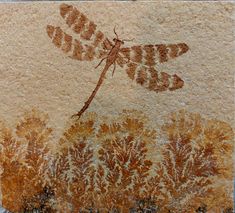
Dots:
pixel 152 79
pixel 95 44
pixel 140 63
pixel 150 55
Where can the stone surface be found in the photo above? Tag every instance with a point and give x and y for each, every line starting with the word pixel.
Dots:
pixel 136 147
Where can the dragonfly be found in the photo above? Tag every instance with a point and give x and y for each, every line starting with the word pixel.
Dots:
pixel 138 61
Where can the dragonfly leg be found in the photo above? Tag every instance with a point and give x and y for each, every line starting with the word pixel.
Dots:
pixel 128 60
pixel 114 68
pixel 100 62
pixel 110 43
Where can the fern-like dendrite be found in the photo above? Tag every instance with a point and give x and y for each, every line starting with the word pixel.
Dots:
pixel 117 164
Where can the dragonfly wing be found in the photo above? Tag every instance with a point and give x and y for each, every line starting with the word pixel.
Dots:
pixel 150 55
pixel 92 42
pixel 151 79
pixel 140 62
pixel 81 25
pixel 74 47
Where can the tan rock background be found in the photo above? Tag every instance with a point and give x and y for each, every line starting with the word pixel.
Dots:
pixel 35 74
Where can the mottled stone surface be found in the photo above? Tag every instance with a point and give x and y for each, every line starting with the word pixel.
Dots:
pixel 158 134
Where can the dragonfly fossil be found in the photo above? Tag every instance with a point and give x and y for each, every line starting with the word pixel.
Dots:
pixel 138 61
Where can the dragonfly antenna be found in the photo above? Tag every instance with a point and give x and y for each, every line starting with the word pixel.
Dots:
pixel 114 30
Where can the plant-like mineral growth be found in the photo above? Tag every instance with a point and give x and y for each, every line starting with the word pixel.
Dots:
pixel 106 164
pixel 24 153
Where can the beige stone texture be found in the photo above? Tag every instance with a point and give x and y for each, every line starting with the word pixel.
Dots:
pixel 36 74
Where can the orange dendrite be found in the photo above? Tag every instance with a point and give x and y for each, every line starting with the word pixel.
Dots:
pixel 24 154
pixel 110 165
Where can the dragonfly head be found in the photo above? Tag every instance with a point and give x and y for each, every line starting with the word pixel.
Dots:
pixel 115 40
